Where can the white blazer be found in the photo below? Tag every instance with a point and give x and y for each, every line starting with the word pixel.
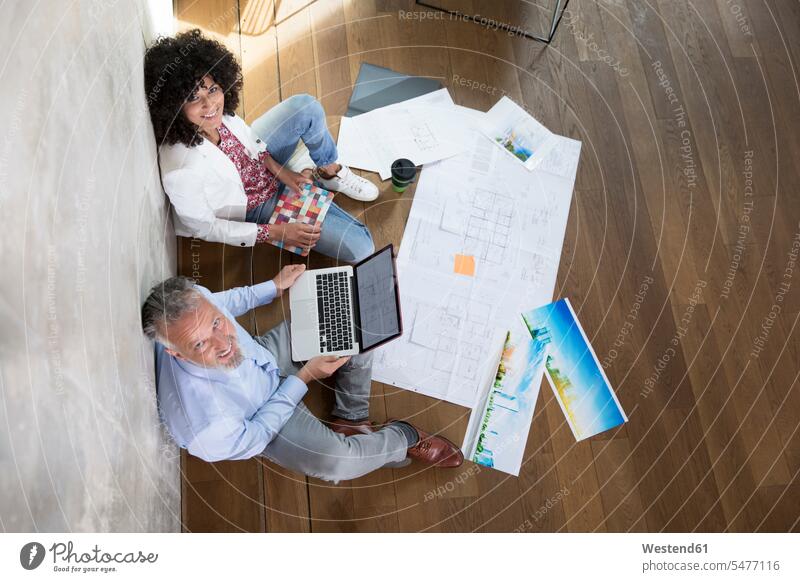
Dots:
pixel 205 188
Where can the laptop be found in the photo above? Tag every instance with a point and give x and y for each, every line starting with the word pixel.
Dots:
pixel 343 311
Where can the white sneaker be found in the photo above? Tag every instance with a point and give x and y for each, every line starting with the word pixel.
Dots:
pixel 350 184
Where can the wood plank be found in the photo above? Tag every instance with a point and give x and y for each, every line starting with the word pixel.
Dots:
pixel 739 33
pixel 618 485
pixel 296 55
pixel 259 44
pixel 286 499
pixel 542 495
pixel 230 502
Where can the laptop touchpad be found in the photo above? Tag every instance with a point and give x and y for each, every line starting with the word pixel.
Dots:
pixel 304 314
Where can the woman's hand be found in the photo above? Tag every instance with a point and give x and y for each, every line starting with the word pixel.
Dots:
pixel 294 181
pixel 296 234
pixel 287 276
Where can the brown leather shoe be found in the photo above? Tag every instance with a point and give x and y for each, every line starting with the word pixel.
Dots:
pixel 434 449
pixel 351 427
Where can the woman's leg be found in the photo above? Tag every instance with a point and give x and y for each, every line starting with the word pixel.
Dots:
pixel 263 212
pixel 343 237
pixel 297 136
pixel 300 117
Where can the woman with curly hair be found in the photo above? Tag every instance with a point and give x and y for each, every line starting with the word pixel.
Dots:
pixel 224 177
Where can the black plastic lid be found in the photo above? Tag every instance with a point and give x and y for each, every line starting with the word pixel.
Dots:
pixel 404 169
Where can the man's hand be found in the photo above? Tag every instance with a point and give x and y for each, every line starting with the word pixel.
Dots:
pixel 294 181
pixel 287 276
pixel 321 367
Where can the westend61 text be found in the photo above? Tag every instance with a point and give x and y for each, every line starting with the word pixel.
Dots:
pixel 671 549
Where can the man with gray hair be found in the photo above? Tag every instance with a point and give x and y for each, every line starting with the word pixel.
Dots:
pixel 225 395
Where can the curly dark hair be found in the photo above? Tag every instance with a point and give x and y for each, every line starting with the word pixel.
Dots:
pixel 173 68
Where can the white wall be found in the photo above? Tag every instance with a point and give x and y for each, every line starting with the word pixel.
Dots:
pixel 84 234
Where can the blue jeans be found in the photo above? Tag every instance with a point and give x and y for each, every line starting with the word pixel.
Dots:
pixel 301 118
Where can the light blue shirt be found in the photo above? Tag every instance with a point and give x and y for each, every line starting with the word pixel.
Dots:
pixel 219 414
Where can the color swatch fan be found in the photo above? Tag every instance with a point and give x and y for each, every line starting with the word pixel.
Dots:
pixel 308 207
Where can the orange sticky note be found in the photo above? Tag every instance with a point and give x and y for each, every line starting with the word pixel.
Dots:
pixel 465 265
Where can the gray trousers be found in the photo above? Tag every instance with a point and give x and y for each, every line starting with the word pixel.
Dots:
pixel 306 445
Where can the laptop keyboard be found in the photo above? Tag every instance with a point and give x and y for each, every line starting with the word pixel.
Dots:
pixel 333 300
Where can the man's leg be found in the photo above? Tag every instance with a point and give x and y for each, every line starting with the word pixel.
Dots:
pixel 300 117
pixel 306 445
pixel 352 385
pixel 277 343
pixel 352 382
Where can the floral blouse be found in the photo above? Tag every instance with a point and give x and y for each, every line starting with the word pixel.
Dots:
pixel 259 183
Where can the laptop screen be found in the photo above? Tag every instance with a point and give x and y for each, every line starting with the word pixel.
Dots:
pixel 377 299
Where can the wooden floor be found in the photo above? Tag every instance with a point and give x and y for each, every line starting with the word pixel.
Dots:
pixel 680 241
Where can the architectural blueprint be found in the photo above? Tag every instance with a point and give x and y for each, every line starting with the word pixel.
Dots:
pixel 424 129
pixel 482 244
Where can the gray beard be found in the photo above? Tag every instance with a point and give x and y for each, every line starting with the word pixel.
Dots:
pixel 235 362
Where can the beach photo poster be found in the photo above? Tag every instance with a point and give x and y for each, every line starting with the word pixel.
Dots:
pixel 499 426
pixel 573 370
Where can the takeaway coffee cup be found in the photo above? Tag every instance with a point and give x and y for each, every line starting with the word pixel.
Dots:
pixel 403 172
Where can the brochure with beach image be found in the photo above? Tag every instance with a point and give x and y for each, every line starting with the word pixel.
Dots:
pixel 574 372
pixel 517 133
pixel 499 424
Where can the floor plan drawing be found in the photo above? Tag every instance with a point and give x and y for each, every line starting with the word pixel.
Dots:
pixel 482 244
pixel 424 137
pixel 424 129
pixel 489 226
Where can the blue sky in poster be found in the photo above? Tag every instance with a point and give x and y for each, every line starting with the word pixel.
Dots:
pixel 591 406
